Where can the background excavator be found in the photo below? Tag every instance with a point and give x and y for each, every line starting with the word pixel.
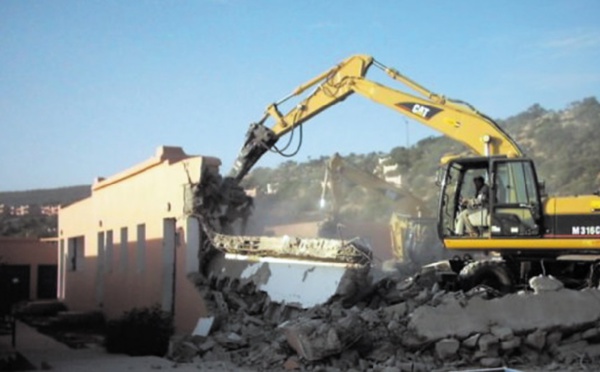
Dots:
pixel 528 232
pixel 413 233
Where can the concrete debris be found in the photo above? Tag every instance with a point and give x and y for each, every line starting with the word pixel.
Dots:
pixel 292 363
pixel 503 333
pixel 520 312
pixel 315 339
pixel 204 326
pixel 331 250
pixel 405 324
pixel 293 271
pixel 543 283
pixel 447 348
pixel 536 340
pixel 488 344
pixel 471 342
pixel 510 344
pixel 206 346
pixel 230 340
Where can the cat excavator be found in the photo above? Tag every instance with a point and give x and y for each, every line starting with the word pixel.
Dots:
pixel 525 232
pixel 413 234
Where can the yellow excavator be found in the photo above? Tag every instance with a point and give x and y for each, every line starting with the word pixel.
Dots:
pixel 530 232
pixel 413 235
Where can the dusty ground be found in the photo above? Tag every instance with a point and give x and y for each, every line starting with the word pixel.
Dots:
pixel 38 351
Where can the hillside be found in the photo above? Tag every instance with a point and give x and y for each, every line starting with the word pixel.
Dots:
pixel 35 224
pixel 62 196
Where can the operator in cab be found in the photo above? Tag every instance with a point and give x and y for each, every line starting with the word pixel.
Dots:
pixel 475 210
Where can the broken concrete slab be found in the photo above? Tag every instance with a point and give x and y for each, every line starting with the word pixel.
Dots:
pixel 230 340
pixel 447 348
pixel 312 249
pixel 503 333
pixel 315 339
pixel 491 363
pixel 488 343
pixel 312 339
pixel 292 282
pixel 536 339
pixel 204 326
pixel 510 344
pixel 206 346
pixel 471 342
pixel 522 312
pixel 395 312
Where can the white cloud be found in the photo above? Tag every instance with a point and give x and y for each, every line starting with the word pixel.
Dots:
pixel 573 42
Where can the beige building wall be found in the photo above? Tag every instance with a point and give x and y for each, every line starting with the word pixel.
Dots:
pixel 126 245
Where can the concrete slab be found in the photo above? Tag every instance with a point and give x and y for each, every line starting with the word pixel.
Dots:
pixel 293 282
pixel 520 312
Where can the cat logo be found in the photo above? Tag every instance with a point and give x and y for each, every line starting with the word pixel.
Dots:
pixel 420 110
pixel 424 111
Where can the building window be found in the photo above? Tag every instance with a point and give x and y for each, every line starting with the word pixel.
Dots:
pixel 141 248
pixel 76 253
pixel 124 250
pixel 101 251
pixel 108 257
pixel 62 269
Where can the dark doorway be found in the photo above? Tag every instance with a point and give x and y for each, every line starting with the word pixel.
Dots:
pixel 14 285
pixel 46 283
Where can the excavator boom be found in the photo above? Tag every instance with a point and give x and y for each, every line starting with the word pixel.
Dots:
pixel 453 118
pixel 405 201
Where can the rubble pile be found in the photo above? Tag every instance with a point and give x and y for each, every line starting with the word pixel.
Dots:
pixel 403 325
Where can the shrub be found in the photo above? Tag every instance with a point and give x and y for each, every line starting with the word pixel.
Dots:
pixel 140 331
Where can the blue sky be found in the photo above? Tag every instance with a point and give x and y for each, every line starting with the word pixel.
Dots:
pixel 90 88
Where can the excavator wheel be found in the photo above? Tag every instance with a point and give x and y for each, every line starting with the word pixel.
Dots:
pixel 494 274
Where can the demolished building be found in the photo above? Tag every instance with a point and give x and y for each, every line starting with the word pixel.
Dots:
pixel 130 245
pixel 137 242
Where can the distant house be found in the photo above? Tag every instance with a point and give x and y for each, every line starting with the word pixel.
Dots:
pixel 49 210
pixel 20 210
pixel 131 244
pixel 28 270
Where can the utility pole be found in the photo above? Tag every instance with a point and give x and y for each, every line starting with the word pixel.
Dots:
pixel 407 132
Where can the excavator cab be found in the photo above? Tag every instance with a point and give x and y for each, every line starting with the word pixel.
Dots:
pixel 513 207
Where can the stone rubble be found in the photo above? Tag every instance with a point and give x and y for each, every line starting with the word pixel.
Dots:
pixel 405 324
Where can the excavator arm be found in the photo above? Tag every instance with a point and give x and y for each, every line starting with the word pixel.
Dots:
pixel 412 225
pixel 453 118
pixel 405 202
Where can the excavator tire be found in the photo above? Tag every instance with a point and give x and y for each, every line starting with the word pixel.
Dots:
pixel 494 274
